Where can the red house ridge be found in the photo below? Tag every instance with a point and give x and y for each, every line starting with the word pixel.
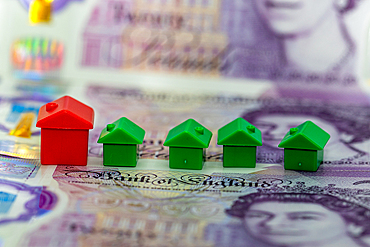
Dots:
pixel 65 125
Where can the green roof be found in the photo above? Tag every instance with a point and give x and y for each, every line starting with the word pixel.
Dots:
pixel 239 133
pixel 305 136
pixel 189 134
pixel 122 131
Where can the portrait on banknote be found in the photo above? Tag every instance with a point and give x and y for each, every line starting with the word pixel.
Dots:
pixel 347 126
pixel 307 41
pixel 301 219
pixel 301 40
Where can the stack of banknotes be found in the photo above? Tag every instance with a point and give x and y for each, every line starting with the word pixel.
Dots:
pixel 151 205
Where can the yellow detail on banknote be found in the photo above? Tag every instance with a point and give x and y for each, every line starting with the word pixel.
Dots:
pixel 24 125
pixel 19 150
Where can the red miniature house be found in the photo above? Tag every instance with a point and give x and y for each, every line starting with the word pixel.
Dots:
pixel 65 125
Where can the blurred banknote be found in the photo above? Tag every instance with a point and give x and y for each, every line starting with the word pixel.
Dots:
pixel 11 168
pixel 157 113
pixel 128 207
pixel 19 136
pixel 311 43
pixel 25 196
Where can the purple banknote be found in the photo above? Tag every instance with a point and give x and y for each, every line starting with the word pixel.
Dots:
pixel 16 168
pixel 291 40
pixel 21 202
pixel 311 43
pixel 158 113
pixel 129 207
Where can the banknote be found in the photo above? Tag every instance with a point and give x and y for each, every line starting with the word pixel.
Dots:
pixel 130 207
pixel 12 168
pixel 20 204
pixel 301 42
pixel 157 113
pixel 19 136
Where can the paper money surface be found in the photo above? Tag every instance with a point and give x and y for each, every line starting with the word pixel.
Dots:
pixel 311 43
pixel 157 113
pixel 151 205
pixel 18 169
pixel 129 207
pixel 19 137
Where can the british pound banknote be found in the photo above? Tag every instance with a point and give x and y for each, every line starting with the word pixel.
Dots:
pixel 157 113
pixel 26 195
pixel 250 39
pixel 12 168
pixel 151 205
pixel 310 43
pixel 131 207
pixel 13 111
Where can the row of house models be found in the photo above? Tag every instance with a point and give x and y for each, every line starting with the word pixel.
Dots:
pixel 65 125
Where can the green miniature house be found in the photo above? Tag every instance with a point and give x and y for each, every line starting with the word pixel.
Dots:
pixel 304 147
pixel 240 140
pixel 120 143
pixel 187 142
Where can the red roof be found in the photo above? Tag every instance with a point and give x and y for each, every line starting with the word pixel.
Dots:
pixel 65 113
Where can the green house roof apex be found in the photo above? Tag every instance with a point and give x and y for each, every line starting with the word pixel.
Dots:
pixel 122 131
pixel 189 134
pixel 305 136
pixel 239 133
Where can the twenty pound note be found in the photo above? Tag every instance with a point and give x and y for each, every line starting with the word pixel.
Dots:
pixel 305 42
pixel 120 206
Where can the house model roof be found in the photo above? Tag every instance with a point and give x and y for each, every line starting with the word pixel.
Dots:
pixel 122 131
pixel 305 136
pixel 65 113
pixel 239 133
pixel 189 134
